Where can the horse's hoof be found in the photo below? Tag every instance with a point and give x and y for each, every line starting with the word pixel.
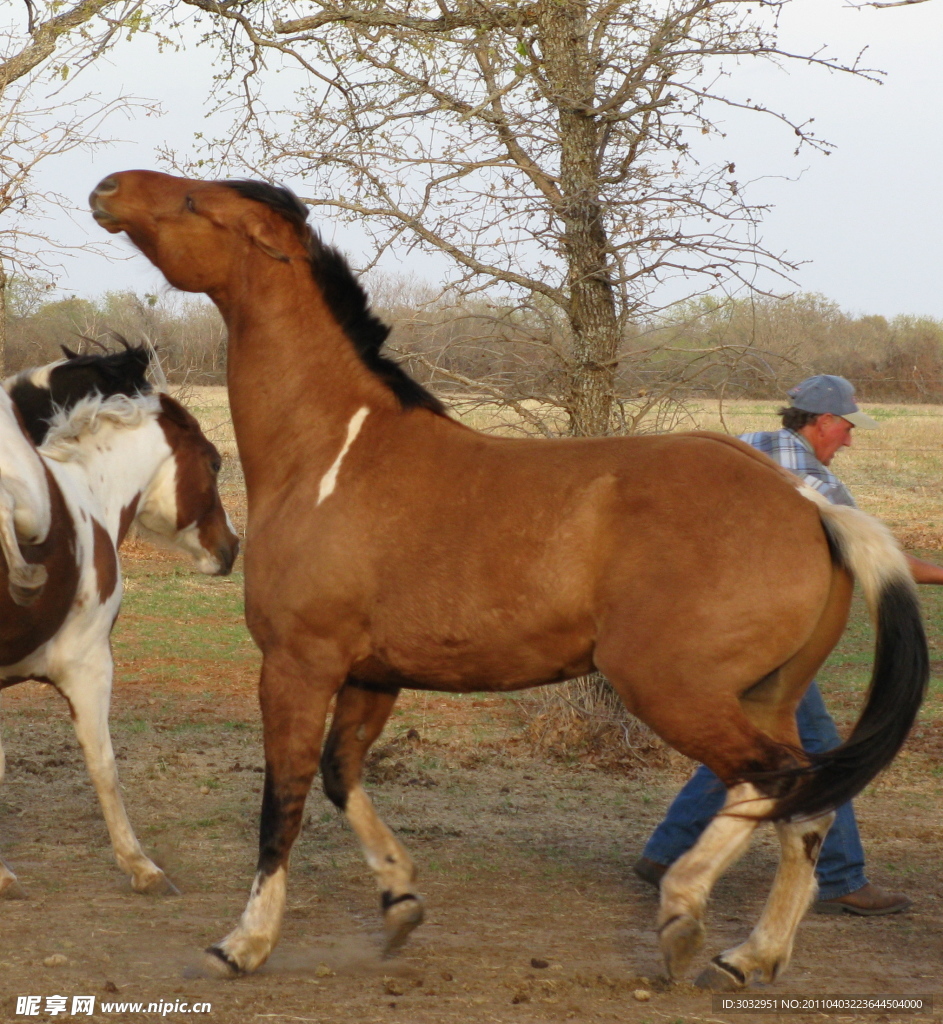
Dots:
pixel 680 939
pixel 158 885
pixel 26 594
pixel 218 965
pixel 12 890
pixel 399 920
pixel 718 976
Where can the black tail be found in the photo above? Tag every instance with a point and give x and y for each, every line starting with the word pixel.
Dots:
pixel 898 686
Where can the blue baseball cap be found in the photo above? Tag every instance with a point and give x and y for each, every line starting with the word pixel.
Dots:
pixel 826 393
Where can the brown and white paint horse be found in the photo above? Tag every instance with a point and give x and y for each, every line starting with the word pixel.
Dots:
pixel 388 546
pixel 105 463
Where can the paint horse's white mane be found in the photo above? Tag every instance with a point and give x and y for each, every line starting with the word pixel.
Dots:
pixel 69 426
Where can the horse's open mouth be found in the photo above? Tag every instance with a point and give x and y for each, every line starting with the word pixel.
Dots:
pixel 107 220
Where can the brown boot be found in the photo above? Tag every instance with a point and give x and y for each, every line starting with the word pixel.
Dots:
pixel 868 901
pixel 650 871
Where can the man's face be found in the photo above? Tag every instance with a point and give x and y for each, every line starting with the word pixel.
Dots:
pixel 828 435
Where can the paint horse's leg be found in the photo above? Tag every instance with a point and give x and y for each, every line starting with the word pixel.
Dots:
pixel 294 695
pixel 687 884
pixel 10 888
pixel 86 684
pixel 25 582
pixel 359 718
pixel 768 949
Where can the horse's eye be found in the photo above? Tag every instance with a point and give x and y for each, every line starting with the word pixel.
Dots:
pixel 216 465
pixel 190 204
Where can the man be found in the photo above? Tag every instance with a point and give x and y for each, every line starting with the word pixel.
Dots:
pixel 816 426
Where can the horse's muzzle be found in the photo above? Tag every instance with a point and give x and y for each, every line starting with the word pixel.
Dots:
pixel 106 187
pixel 226 556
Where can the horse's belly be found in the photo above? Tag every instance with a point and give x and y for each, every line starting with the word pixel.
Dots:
pixel 493 658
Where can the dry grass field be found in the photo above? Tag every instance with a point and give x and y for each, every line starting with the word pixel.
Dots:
pixel 533 913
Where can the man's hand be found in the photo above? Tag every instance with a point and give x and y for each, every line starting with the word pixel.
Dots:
pixel 925 572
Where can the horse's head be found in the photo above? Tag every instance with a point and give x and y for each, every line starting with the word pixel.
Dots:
pixel 197 232
pixel 182 501
pixel 37 393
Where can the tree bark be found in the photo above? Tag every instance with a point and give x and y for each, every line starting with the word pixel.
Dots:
pixel 3 322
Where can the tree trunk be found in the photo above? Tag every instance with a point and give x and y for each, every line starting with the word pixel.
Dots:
pixel 565 35
pixel 3 322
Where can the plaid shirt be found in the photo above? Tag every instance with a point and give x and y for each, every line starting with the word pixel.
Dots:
pixel 794 453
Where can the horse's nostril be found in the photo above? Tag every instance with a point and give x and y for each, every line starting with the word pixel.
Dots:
pixel 106 187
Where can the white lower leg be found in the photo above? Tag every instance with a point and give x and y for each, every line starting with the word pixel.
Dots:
pixel 249 944
pixel 392 865
pixel 687 884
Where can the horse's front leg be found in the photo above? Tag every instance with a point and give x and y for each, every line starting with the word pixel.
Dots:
pixel 359 717
pixel 294 695
pixel 86 685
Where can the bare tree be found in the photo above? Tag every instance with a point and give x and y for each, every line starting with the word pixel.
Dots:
pixel 43 46
pixel 548 150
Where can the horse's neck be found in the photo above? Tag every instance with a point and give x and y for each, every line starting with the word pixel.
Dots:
pixel 295 381
pixel 118 466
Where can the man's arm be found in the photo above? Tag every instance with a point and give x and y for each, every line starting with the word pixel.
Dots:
pixel 925 572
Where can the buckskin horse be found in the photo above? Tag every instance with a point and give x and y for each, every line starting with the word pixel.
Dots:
pixel 106 462
pixel 388 546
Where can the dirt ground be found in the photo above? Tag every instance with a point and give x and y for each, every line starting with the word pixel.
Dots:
pixel 533 913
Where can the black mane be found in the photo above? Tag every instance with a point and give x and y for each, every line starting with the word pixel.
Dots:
pixel 344 295
pixel 116 373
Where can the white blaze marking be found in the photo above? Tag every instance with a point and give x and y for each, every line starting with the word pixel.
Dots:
pixel 329 480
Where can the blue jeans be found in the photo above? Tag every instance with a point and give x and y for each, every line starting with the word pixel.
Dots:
pixel 840 869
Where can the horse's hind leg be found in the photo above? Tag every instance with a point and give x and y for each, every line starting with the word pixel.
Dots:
pixel 769 947
pixel 25 581
pixel 294 694
pixel 687 884
pixel 359 718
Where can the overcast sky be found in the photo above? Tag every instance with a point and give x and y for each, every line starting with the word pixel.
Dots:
pixel 868 218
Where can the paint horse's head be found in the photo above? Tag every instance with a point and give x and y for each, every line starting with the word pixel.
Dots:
pixel 147 459
pixel 183 501
pixel 38 392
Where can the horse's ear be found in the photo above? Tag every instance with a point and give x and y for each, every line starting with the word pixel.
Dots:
pixel 69 354
pixel 263 237
pixel 270 250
